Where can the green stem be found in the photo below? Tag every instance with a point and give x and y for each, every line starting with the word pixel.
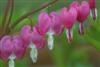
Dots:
pixel 10 17
pixel 31 22
pixel 5 15
pixel 25 16
pixel 30 13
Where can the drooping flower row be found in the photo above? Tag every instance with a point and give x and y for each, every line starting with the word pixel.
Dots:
pixel 49 24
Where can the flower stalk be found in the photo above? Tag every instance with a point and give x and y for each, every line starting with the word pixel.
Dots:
pixel 30 13
pixel 10 17
pixel 5 15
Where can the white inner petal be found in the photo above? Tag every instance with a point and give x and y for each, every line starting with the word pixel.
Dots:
pixel 33 53
pixel 71 35
pixel 71 32
pixel 50 40
pixel 91 13
pixel 80 27
pixel 11 60
pixel 96 12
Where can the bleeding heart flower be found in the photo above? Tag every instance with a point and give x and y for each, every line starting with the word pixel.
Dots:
pixel 33 39
pixel 11 48
pixel 93 12
pixel 56 23
pixel 38 40
pixel 83 12
pixel 6 47
pixel 19 47
pixel 56 28
pixel 50 24
pixel 26 34
pixel 43 23
pixel 69 17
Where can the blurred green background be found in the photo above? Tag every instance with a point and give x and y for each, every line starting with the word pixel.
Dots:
pixel 84 50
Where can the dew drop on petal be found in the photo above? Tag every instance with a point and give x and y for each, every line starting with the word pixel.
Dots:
pixel 11 60
pixel 50 41
pixel 33 53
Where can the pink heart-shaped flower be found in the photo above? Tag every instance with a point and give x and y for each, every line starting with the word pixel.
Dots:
pixel 43 23
pixel 6 47
pixel 56 23
pixel 26 34
pixel 38 40
pixel 19 47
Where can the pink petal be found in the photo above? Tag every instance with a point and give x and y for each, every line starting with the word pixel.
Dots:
pixel 43 23
pixel 92 4
pixel 83 11
pixel 6 47
pixel 69 17
pixel 19 47
pixel 26 34
pixel 74 4
pixel 57 25
pixel 63 13
pixel 38 39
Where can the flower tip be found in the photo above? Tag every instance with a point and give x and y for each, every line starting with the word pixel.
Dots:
pixel 69 35
pixel 11 61
pixel 81 29
pixel 70 40
pixel 50 41
pixel 50 46
pixel 81 32
pixel 33 53
pixel 93 14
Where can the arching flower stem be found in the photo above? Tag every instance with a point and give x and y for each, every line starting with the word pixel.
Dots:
pixel 30 13
pixel 10 17
pixel 5 15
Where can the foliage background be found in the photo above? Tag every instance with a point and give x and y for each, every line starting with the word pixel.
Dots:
pixel 83 52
